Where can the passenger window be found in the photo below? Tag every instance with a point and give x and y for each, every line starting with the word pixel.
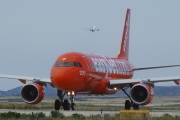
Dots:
pixel 58 64
pixel 68 64
pixel 79 64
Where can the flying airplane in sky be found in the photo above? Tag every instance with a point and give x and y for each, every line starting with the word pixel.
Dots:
pixel 79 73
pixel 94 28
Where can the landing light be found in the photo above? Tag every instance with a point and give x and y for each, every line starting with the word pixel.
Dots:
pixel 115 88
pixel 71 93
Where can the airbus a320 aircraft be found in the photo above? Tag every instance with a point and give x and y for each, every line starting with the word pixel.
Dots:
pixel 79 73
pixel 94 28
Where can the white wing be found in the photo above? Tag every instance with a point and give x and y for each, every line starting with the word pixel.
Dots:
pixel 128 82
pixel 26 78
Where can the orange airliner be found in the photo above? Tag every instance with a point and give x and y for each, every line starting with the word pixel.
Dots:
pixel 79 73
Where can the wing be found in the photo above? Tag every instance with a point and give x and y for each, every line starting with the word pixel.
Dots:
pixel 150 81
pixel 148 68
pixel 23 79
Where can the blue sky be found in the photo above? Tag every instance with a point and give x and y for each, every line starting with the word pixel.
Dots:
pixel 33 33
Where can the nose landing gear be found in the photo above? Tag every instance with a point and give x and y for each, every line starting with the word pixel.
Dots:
pixel 65 104
pixel 73 105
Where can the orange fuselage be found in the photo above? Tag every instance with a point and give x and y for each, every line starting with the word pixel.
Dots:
pixel 88 73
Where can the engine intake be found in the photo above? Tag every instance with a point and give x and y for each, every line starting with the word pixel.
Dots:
pixel 32 93
pixel 142 94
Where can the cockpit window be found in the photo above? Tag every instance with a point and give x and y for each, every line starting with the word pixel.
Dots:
pixel 58 64
pixel 79 64
pixel 76 64
pixel 68 64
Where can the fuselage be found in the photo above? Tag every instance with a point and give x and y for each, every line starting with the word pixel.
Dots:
pixel 88 73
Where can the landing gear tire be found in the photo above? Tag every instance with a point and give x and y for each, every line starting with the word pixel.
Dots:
pixel 57 105
pixel 136 106
pixel 127 105
pixel 66 105
pixel 59 102
pixel 73 106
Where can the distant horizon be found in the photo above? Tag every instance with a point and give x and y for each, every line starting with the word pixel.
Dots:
pixel 55 88
pixel 168 91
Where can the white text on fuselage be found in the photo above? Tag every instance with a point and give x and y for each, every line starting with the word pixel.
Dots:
pixel 110 66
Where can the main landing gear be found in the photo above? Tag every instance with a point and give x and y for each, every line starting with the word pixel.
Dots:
pixel 129 104
pixel 65 104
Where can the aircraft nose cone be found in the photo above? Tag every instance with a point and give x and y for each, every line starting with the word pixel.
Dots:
pixel 66 79
pixel 56 76
pixel 60 78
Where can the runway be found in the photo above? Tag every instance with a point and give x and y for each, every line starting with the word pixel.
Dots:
pixel 88 113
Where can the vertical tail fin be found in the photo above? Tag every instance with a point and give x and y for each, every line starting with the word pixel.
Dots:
pixel 124 50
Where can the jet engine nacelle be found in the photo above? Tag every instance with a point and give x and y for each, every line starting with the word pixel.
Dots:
pixel 32 93
pixel 142 94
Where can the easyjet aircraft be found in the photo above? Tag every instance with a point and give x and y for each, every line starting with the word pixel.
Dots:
pixel 79 73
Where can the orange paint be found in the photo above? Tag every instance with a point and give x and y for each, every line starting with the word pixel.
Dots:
pixel 93 72
pixel 96 71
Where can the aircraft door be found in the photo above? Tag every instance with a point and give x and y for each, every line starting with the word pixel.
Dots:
pixel 89 65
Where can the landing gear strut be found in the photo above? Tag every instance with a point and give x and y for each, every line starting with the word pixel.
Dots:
pixel 129 104
pixel 65 104
pixel 73 105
